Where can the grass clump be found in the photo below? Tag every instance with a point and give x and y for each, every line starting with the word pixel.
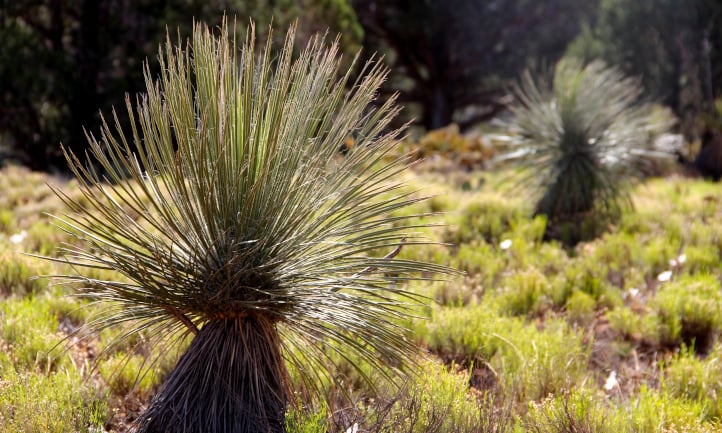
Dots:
pixel 689 311
pixel 306 421
pixel 685 311
pixel 57 403
pixel 581 308
pixel 574 412
pixel 488 219
pixel 18 274
pixel 436 401
pixel 634 325
pixel 529 363
pixel 689 377
pixel 30 330
pixel 525 293
pixel 654 411
pixel 126 373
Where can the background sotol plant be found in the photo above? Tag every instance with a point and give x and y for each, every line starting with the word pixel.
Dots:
pixel 238 221
pixel 579 138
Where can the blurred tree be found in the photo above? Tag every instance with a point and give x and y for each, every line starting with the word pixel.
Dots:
pixel 451 59
pixel 64 60
pixel 675 46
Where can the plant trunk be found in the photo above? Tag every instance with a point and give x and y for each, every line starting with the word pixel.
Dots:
pixel 438 110
pixel 232 378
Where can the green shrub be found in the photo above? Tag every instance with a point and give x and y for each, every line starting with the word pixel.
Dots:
pixel 459 292
pixel 45 239
pixel 687 376
pixel 486 219
pixel 438 400
pixel 306 420
pixel 616 251
pixel 689 311
pixel 480 260
pixel 30 328
pixel 634 326
pixel 57 403
pixel 581 308
pixel 657 253
pixel 589 275
pixel 525 293
pixel 528 362
pixel 654 411
pixel 126 373
pixel 18 272
pixel 586 276
pixel 702 259
pixel 578 412
pixel 8 221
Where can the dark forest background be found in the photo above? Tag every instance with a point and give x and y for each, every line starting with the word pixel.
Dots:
pixel 64 61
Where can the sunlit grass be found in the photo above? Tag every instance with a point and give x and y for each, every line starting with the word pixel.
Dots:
pixel 528 337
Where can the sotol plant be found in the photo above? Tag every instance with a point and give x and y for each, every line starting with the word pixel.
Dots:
pixel 237 220
pixel 580 138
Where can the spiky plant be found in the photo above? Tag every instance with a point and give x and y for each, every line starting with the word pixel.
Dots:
pixel 580 138
pixel 237 220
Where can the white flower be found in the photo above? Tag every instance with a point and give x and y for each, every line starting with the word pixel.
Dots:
pixel 678 261
pixel 505 244
pixel 664 276
pixel 18 237
pixel 353 429
pixel 612 381
pixel 633 292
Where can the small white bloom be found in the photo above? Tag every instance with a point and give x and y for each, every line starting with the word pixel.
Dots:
pixel 633 292
pixel 673 262
pixel 505 244
pixel 612 381
pixel 682 258
pixel 18 237
pixel 353 429
pixel 664 276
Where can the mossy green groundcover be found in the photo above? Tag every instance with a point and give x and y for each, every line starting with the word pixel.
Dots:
pixel 618 334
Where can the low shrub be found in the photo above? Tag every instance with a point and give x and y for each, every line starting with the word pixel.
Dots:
pixel 468 152
pixel 686 376
pixel 30 330
pixel 575 412
pixel 18 274
pixel 528 362
pixel 55 403
pixel 581 308
pixel 436 401
pixel 126 373
pixel 689 311
pixel 488 219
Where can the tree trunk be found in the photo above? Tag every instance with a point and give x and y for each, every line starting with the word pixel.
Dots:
pixel 231 379
pixel 438 110
pixel 84 100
